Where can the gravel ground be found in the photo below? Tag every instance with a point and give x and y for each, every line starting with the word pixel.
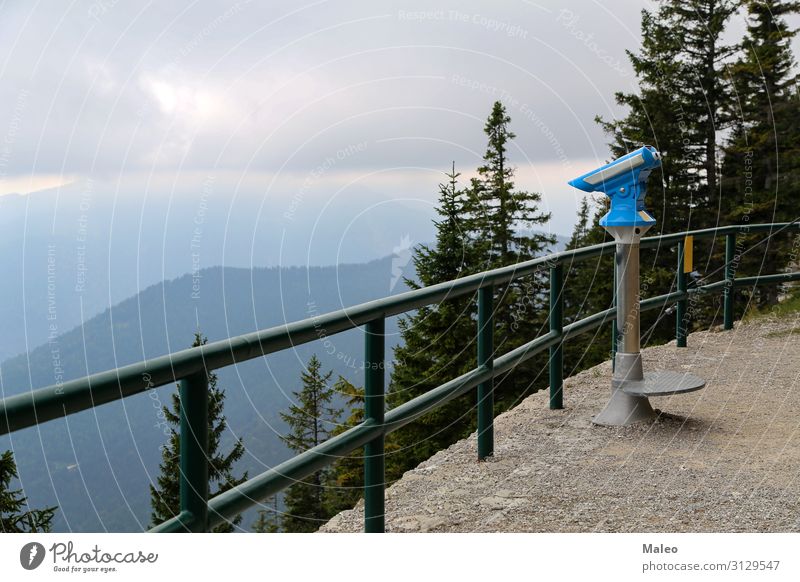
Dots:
pixel 726 458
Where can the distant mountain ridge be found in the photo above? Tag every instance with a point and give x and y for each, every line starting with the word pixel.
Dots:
pixel 96 465
pixel 70 253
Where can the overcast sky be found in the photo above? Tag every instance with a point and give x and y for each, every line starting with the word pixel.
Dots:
pixel 294 101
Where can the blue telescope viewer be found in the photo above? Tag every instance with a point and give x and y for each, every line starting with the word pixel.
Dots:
pixel 624 181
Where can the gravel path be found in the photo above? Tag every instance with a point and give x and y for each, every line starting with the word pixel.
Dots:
pixel 726 458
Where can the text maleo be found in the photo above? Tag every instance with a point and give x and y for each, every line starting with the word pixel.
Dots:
pixel 659 549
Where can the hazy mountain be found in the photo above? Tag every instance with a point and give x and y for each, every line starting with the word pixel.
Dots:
pixel 96 465
pixel 70 253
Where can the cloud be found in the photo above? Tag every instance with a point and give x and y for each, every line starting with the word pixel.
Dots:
pixel 33 183
pixel 110 90
pixel 115 87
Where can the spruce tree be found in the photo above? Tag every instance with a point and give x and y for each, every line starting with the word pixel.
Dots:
pixel 588 289
pixel 761 170
pixel 347 478
pixel 504 221
pixel 681 108
pixel 165 494
pixel 311 422
pixel 580 233
pixel 438 341
pixel 705 86
pixel 15 514
pixel 503 218
pixel 488 225
pixel 656 115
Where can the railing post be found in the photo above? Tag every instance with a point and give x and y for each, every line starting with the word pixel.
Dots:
pixel 374 408
pixel 486 359
pixel 557 327
pixel 730 247
pixel 680 323
pixel 193 392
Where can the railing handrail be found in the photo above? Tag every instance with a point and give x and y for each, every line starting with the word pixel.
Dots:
pixel 54 401
pixel 44 404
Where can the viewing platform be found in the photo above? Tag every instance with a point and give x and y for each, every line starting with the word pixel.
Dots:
pixel 724 459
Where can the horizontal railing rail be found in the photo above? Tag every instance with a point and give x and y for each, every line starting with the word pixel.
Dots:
pixel 189 368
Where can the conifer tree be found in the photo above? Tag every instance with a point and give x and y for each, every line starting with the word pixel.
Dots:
pixel 438 341
pixel 761 170
pixel 165 494
pixel 705 86
pixel 503 218
pixel 347 479
pixel 15 514
pixel 503 222
pixel 681 108
pixel 580 233
pixel 311 420
pixel 490 224
pixel 588 289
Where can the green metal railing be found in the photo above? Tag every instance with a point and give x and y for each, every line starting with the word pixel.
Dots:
pixel 190 368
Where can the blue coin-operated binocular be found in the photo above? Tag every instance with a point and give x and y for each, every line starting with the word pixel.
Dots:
pixel 624 181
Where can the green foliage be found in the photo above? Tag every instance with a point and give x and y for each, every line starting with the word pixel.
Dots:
pixel 438 341
pixel 788 306
pixel 503 218
pixel 165 495
pixel 693 87
pixel 761 169
pixel 681 107
pixel 489 224
pixel 503 224
pixel 347 479
pixel 268 520
pixel 588 288
pixel 15 515
pixel 705 92
pixel 312 420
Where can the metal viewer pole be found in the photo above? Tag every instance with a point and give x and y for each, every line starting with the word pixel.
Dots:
pixel 624 408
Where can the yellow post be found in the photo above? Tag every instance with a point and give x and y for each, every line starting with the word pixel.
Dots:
pixel 688 254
